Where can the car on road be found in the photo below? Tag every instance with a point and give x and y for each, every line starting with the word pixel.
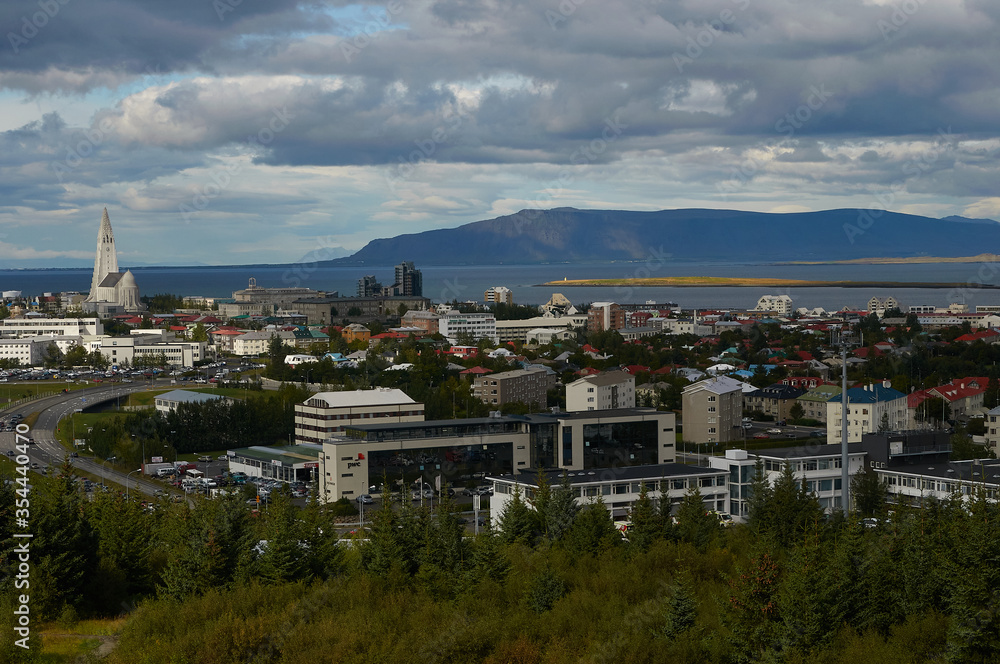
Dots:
pixel 774 430
pixel 10 452
pixel 75 455
pixel 819 434
pixel 205 458
pixel 761 436
pixel 160 492
pixel 365 499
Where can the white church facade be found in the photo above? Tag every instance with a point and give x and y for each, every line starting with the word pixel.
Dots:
pixel 111 292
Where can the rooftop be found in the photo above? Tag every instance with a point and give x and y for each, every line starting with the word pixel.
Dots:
pixel 623 474
pixel 380 396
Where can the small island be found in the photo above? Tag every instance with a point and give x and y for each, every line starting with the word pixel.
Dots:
pixel 747 282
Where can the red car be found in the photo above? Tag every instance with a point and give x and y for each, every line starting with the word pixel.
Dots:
pixel 762 436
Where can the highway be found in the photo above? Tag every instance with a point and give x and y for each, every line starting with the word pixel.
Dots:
pixel 48 453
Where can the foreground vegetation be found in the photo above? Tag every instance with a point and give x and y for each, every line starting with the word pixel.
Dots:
pixel 552 583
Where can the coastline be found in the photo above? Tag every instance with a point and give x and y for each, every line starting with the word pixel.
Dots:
pixel 742 282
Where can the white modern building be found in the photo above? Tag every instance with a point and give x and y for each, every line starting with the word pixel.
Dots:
pixel 603 391
pixel 619 488
pixel 869 409
pixel 126 350
pixel 28 352
pixel 779 304
pixel 50 327
pixel 461 452
pixel 327 413
pixel 819 465
pixel 477 326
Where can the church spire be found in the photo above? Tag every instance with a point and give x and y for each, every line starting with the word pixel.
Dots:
pixel 106 258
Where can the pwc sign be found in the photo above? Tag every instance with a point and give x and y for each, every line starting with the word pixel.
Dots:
pixel 356 464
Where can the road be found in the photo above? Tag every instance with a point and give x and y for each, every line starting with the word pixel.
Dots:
pixel 48 453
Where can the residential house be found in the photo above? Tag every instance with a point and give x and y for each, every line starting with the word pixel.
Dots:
pixel 775 400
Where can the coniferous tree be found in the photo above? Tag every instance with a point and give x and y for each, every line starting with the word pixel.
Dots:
pixel 868 492
pixel 760 516
pixel 694 524
pixel 645 527
pixel 563 510
pixel 518 522
pixel 64 548
pixel 681 610
pixel 593 530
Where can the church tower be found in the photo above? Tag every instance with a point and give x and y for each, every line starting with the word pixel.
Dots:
pixel 106 260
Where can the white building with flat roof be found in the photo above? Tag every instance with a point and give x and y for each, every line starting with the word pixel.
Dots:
pixel 29 352
pixel 50 327
pixel 477 326
pixel 327 413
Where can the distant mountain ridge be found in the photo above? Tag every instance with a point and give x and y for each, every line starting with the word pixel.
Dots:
pixel 572 235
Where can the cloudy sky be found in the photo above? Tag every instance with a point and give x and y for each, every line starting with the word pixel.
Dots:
pixel 239 131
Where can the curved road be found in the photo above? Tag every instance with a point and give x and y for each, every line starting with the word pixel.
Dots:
pixel 47 452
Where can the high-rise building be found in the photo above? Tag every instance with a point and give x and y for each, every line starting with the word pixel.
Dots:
pixel 500 295
pixel 368 286
pixel 110 290
pixel 409 281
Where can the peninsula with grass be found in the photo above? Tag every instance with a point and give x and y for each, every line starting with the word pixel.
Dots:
pixel 730 282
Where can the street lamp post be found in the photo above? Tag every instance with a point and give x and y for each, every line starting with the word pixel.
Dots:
pixel 136 482
pixel 103 476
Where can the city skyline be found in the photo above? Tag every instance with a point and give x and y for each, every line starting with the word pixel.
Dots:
pixel 262 132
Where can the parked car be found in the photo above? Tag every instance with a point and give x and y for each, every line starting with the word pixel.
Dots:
pixel 427 494
pixel 365 499
pixel 205 458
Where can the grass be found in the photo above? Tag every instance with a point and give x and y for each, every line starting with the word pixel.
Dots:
pixel 73 643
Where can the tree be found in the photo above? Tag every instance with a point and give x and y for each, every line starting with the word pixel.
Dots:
pixel 199 333
pixel 518 522
pixel 646 526
pixel 562 510
pixel 682 607
pixel 868 491
pixel 796 412
pixel 593 530
pixel 694 524
pixel 759 516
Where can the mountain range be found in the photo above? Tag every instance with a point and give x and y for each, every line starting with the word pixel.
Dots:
pixel 571 235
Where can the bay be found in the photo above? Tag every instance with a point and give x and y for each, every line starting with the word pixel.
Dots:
pixel 468 282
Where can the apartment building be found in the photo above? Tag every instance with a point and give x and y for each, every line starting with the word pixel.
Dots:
pixel 712 410
pixel 603 391
pixel 520 386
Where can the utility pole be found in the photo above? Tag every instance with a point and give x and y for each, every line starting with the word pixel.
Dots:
pixel 845 459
